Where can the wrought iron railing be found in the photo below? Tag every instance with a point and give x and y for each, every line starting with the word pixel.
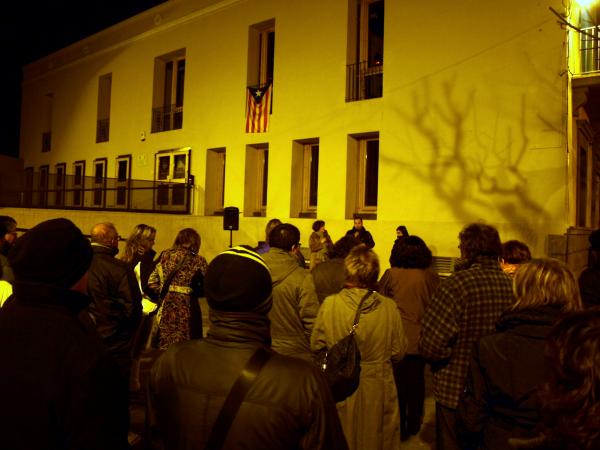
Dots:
pixel 102 130
pixel 167 118
pixel 363 81
pixel 26 190
pixel 589 49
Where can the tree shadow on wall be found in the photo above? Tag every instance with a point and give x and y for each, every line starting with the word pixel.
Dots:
pixel 487 177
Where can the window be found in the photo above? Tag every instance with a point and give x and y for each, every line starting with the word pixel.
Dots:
pixel 255 185
pixel 215 181
pixel 78 182
pixel 362 175
pixel 123 180
pixel 305 178
pixel 99 182
pixel 172 175
pixel 261 53
pixel 364 71
pixel 47 118
pixel 169 78
pixel 59 184
pixel 103 117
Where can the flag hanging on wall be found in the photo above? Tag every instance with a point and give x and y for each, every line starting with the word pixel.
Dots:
pixel 258 108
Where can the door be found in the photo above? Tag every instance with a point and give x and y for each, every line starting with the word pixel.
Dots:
pixel 171 178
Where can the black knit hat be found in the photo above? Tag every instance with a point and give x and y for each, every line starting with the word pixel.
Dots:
pixel 54 252
pixel 237 280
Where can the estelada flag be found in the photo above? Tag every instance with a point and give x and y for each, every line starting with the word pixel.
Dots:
pixel 258 105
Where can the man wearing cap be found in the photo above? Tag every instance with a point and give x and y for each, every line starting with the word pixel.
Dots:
pixel 288 406
pixel 295 301
pixel 59 386
pixel 116 306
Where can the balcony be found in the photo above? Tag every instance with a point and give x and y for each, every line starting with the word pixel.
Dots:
pixel 363 81
pixel 49 191
pixel 167 118
pixel 589 49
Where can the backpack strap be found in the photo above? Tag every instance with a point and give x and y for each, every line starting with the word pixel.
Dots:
pixel 236 396
pixel 357 315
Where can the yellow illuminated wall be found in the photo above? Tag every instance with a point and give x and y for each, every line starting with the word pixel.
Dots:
pixel 472 122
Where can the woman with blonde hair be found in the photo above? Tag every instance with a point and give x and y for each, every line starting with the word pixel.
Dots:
pixel 370 417
pixel 500 403
pixel 178 279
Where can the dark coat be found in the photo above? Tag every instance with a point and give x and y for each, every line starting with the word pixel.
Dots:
pixel 506 370
pixel 329 278
pixel 116 299
pixel 589 286
pixel 289 406
pixel 362 235
pixel 58 384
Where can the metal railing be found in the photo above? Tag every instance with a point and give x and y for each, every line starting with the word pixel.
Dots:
pixel 589 49
pixel 27 190
pixel 363 82
pixel 167 118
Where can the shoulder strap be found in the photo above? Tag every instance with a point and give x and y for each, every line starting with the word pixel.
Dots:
pixel 357 315
pixel 165 288
pixel 236 396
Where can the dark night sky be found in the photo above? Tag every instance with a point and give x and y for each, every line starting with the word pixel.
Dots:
pixel 31 30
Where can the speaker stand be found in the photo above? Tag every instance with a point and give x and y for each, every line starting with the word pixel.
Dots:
pixel 230 238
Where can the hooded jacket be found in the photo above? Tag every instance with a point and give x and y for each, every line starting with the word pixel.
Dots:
pixel 295 304
pixel 505 372
pixel 59 386
pixel 288 407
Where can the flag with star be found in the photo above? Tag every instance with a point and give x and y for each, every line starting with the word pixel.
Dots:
pixel 258 108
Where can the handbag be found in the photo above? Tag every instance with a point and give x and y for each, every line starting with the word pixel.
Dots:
pixel 341 363
pixel 236 396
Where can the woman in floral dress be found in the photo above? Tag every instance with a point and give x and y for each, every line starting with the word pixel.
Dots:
pixel 180 317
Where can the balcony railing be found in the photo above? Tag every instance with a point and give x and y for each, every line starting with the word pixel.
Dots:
pixel 102 130
pixel 363 82
pixel 70 192
pixel 590 49
pixel 167 118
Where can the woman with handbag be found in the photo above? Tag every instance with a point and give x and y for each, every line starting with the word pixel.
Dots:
pixel 178 277
pixel 370 417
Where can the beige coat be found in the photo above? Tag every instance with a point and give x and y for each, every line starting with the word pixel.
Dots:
pixel 370 417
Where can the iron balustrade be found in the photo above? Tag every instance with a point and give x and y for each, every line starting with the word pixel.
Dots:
pixel 363 81
pixel 167 118
pixel 88 193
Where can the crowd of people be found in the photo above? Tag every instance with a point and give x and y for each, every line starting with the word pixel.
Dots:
pixel 513 343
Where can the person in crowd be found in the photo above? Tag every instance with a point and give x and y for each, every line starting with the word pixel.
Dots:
pixel 263 246
pixel 463 308
pixel 319 243
pixel 514 253
pixel 8 236
pixel 589 280
pixel 360 233
pixel 401 232
pixel 570 399
pixel 289 406
pixel 329 276
pixel 295 303
pixel 410 283
pixel 140 256
pixel 370 417
pixel 180 316
pixel 507 368
pixel 60 387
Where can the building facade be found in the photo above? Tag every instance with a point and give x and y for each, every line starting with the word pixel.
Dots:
pixel 426 114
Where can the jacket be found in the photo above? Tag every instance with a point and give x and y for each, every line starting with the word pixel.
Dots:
pixel 505 372
pixel 411 289
pixel 329 278
pixel 116 305
pixel 288 407
pixel 295 304
pixel 463 308
pixel 589 286
pixel 362 235
pixel 370 417
pixel 60 388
